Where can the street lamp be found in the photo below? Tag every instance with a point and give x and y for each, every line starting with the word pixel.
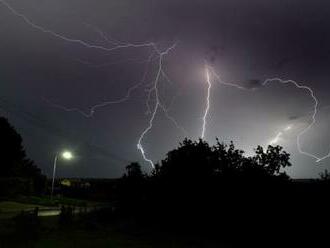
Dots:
pixel 67 155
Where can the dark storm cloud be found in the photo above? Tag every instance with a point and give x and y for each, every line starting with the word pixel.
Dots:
pixel 42 124
pixel 321 109
pixel 252 84
pixel 294 117
pixel 214 52
pixel 245 41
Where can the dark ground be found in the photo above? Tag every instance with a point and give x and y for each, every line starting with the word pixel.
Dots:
pixel 297 218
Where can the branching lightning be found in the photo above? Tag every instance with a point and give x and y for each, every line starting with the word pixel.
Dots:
pixel 278 136
pixel 158 104
pixel 300 134
pixel 276 139
pixel 153 94
pixel 93 109
pixel 77 41
pixel 116 45
pixel 209 86
pixel 315 111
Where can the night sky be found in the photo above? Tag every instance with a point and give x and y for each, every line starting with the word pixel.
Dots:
pixel 245 42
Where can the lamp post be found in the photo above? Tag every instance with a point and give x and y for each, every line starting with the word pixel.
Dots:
pixel 65 155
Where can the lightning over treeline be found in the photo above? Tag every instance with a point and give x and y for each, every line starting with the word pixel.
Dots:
pixel 154 104
pixel 279 134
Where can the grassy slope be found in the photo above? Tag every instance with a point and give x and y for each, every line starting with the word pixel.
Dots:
pixel 11 206
pixel 9 209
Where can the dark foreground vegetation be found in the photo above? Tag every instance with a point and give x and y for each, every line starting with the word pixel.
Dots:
pixel 215 191
pixel 18 175
pixel 198 196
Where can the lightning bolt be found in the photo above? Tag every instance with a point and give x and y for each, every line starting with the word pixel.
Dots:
pixel 276 139
pixel 114 46
pixel 298 86
pixel 153 91
pixel 209 86
pixel 157 105
pixel 94 108
pixel 77 41
pixel 315 111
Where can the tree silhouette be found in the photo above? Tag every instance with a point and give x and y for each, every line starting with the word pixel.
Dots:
pixel 197 181
pixel 131 188
pixel 192 159
pixel 13 160
pixel 133 170
pixel 198 160
pixel 202 189
pixel 273 160
pixel 325 176
pixel 12 153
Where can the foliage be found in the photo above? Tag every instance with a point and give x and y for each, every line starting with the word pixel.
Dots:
pixel 131 188
pixel 325 176
pixel 196 181
pixel 198 160
pixel 14 162
pixel 133 170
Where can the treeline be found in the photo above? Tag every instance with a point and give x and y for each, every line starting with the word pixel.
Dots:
pixel 197 175
pixel 205 189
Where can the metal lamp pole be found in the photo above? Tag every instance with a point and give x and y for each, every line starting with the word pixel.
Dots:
pixel 65 155
pixel 54 172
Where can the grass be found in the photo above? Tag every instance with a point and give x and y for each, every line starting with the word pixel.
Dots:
pixel 9 209
pixel 56 201
pixel 10 206
pixel 13 206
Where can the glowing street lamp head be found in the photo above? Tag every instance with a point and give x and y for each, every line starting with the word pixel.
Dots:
pixel 67 155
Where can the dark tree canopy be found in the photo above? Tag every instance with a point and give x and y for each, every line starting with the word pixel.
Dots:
pixel 217 189
pixel 198 184
pixel 13 160
pixel 198 160
pixel 11 149
pixel 133 170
